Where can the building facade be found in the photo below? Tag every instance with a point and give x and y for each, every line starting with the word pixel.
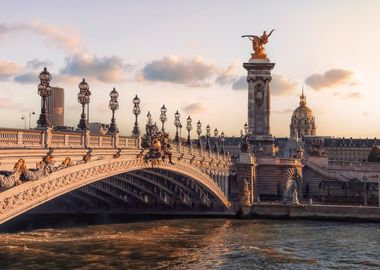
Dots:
pixel 55 107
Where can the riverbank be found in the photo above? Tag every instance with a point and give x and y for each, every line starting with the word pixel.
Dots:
pixel 315 211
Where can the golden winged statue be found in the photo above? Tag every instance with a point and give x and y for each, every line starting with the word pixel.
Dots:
pixel 258 44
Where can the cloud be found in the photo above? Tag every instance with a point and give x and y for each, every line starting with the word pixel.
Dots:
pixel 38 64
pixel 191 72
pixel 61 37
pixel 331 78
pixel 226 76
pixel 106 69
pixel 27 77
pixel 240 84
pixel 78 63
pixel 5 103
pixel 280 85
pixel 9 69
pixel 194 108
pixel 354 95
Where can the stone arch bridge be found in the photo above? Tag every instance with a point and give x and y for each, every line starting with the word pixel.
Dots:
pixel 80 171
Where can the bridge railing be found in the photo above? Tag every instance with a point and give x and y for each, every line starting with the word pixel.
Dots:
pixel 35 138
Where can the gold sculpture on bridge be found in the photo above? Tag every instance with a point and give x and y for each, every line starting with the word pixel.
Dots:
pixel 258 44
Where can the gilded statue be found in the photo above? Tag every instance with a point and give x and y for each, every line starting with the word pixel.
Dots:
pixel 258 44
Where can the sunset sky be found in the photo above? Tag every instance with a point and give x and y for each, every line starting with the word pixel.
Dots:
pixel 188 55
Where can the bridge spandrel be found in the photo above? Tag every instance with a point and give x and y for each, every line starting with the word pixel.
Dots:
pixel 103 163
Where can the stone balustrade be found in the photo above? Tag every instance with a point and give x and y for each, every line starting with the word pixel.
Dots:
pixel 35 138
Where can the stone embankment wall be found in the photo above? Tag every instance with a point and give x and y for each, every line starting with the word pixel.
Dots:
pixel 330 212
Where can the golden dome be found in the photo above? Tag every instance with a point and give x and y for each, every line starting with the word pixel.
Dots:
pixel 302 112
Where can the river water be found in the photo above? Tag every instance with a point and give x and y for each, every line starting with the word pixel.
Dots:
pixel 196 244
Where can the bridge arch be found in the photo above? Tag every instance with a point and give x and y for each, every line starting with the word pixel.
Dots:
pixel 22 198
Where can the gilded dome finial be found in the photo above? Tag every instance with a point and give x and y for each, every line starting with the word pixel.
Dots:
pixel 302 98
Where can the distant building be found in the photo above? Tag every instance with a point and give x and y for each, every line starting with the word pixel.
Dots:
pixel 303 121
pixel 55 106
pixel 98 128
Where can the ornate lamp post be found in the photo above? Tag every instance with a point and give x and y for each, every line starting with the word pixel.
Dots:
pixel 199 132
pixel 24 119
pixel 177 123
pixel 136 111
pixel 163 117
pixel 222 139
pixel 246 129
pixel 208 135
pixel 180 132
pixel 44 90
pixel 216 132
pixel 84 99
pixel 30 119
pixel 189 127
pixel 113 105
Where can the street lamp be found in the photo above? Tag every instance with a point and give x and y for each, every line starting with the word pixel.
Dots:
pixel 163 117
pixel 199 132
pixel 24 118
pixel 246 129
pixel 216 132
pixel 189 127
pixel 44 90
pixel 177 123
pixel 30 119
pixel 222 139
pixel 84 99
pixel 136 111
pixel 113 105
pixel 208 135
pixel 180 132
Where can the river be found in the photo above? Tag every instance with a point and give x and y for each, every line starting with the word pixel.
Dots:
pixel 196 244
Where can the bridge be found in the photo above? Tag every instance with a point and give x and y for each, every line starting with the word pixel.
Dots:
pixel 107 170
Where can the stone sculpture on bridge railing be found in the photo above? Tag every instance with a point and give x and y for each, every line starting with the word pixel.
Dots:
pixel 12 178
pixel 157 144
pixel 20 173
pixel 159 148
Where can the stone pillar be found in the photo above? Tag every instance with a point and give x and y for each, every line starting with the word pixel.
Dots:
pixel 258 78
pixel 47 136
pixel 116 140
pixel 245 181
pixel 87 138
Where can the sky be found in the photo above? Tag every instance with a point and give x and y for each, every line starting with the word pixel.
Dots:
pixel 188 55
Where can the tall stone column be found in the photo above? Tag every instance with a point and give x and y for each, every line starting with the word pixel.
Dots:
pixel 258 78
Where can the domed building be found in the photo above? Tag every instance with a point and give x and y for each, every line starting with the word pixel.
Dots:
pixel 303 121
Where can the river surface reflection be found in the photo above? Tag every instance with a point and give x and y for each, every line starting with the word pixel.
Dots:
pixel 196 244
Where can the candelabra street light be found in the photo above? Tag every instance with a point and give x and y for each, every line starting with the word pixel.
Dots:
pixel 163 117
pixel 222 139
pixel 199 132
pixel 44 90
pixel 113 105
pixel 84 99
pixel 208 135
pixel 189 127
pixel 246 129
pixel 24 118
pixel 180 132
pixel 216 132
pixel 136 111
pixel 177 123
pixel 30 119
